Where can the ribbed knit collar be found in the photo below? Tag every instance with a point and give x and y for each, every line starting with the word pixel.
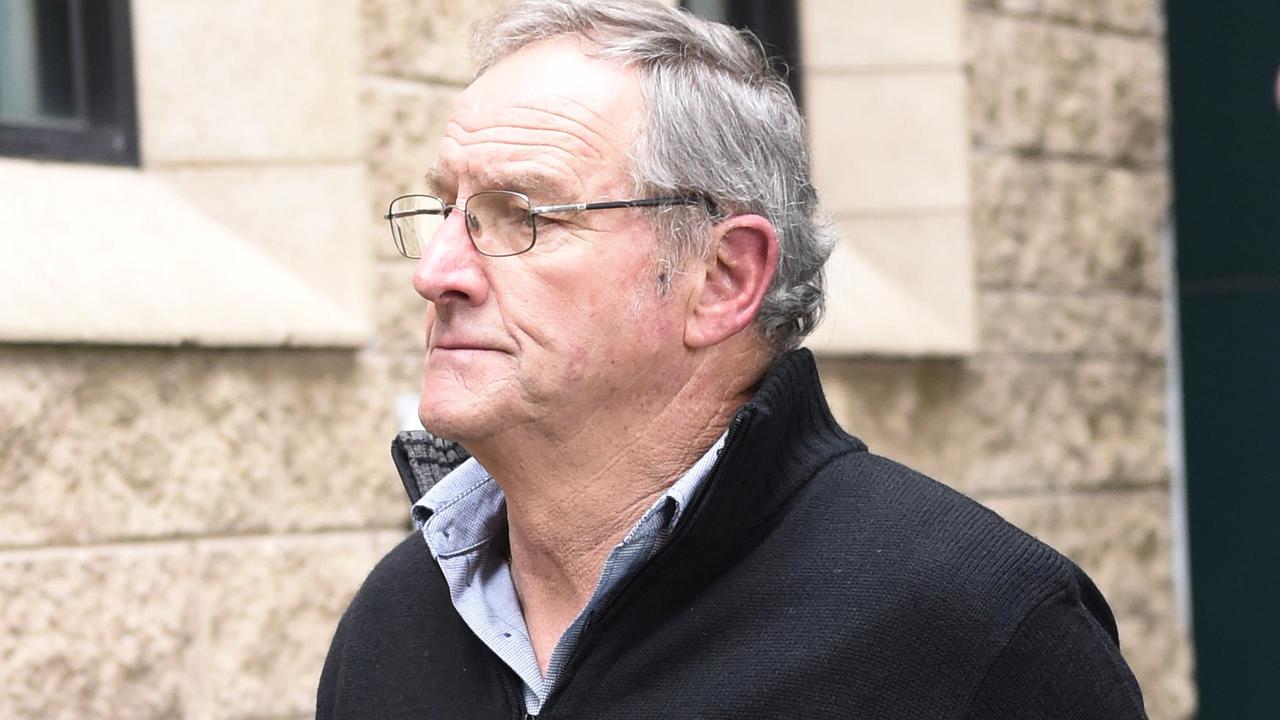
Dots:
pixel 776 442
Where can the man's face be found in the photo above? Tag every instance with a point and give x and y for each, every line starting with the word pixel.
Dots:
pixel 546 340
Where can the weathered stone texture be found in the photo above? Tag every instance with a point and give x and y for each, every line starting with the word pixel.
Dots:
pixel 422 39
pixel 993 426
pixel 1079 12
pixel 1139 17
pixel 1067 225
pixel 1044 323
pixel 1016 7
pixel 1072 123
pixel 1121 539
pixel 401 310
pixel 1035 86
pixel 403 124
pixel 404 370
pixel 1133 73
pixel 101 634
pixel 1143 17
pixel 266 612
pixel 1047 87
pixel 110 444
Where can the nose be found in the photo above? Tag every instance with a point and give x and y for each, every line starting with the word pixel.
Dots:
pixel 450 270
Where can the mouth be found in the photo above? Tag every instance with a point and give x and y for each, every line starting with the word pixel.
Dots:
pixel 463 347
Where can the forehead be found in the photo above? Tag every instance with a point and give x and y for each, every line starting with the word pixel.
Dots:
pixel 545 115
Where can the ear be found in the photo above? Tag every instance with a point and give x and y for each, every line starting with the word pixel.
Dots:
pixel 737 274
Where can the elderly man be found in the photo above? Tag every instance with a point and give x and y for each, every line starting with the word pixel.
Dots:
pixel 660 518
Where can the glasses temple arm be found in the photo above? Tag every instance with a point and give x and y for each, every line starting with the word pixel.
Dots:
pixel 612 204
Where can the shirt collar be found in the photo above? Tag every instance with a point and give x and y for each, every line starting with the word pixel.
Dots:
pixel 467 508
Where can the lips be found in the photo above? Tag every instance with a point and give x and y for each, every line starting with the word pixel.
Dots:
pixel 450 344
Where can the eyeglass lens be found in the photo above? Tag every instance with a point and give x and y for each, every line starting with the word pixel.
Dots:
pixel 414 221
pixel 499 223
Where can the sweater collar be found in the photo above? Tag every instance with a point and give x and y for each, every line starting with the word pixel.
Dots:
pixel 776 442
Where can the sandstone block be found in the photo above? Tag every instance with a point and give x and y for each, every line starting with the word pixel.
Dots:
pixel 266 612
pixel 1120 539
pixel 1034 86
pixel 423 40
pixel 842 34
pixel 1123 409
pixel 1127 251
pixel 1008 83
pixel 94 634
pixel 108 444
pixel 1020 7
pixel 1143 17
pixel 1134 77
pixel 889 141
pixel 404 371
pixel 1157 650
pixel 1072 115
pixel 1077 12
pixel 1070 323
pixel 401 310
pixel 403 125
pixel 1140 17
pixel 244 81
pixel 1032 220
pixel 303 216
pixel 1067 225
pixel 996 426
pixel 900 283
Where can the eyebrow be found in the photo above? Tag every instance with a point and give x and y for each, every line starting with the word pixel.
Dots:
pixel 539 186
pixel 437 181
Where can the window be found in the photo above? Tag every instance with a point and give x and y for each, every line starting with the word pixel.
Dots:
pixel 66 81
pixel 241 223
pixel 773 21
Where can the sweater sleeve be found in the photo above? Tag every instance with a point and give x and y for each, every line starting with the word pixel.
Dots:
pixel 1061 662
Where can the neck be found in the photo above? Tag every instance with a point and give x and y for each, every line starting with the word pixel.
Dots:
pixel 572 497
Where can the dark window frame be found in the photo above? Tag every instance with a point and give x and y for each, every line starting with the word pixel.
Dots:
pixel 106 129
pixel 777 24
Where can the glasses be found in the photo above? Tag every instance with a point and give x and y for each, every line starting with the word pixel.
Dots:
pixel 500 223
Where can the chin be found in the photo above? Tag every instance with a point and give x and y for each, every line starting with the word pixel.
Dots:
pixel 449 410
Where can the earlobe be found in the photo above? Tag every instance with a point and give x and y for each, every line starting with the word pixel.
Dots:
pixel 737 275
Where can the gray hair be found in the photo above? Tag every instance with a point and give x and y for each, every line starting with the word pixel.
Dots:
pixel 719 123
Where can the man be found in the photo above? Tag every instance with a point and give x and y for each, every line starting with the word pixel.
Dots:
pixel 660 518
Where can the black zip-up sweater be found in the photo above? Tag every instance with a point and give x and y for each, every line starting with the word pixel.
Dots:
pixel 809 579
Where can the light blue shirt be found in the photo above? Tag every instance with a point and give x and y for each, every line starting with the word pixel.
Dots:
pixel 463 519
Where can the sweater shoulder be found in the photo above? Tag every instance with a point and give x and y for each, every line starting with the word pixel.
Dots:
pixel 407 570
pixel 404 589
pixel 947 546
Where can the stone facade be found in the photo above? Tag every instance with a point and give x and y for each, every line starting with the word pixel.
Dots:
pixel 182 527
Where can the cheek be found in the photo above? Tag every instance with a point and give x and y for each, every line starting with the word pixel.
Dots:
pixel 579 361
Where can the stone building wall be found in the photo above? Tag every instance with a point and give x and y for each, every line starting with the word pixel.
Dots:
pixel 1058 421
pixel 181 528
